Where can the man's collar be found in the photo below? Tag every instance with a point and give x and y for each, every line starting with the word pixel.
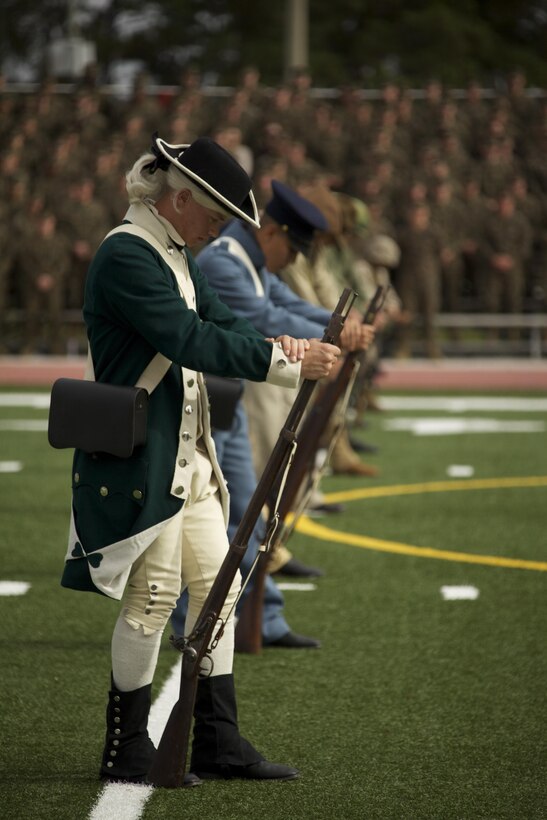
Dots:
pixel 245 235
pixel 146 215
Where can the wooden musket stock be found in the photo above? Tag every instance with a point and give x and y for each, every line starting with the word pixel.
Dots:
pixel 249 627
pixel 169 765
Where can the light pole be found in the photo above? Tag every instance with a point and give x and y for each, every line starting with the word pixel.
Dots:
pixel 296 35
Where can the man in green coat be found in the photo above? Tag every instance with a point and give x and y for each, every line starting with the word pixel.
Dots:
pixel 144 527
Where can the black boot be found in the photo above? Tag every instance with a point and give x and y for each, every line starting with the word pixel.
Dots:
pixel 218 750
pixel 128 750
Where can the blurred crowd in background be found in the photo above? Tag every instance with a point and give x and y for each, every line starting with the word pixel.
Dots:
pixel 445 191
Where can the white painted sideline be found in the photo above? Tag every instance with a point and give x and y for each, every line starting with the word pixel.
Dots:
pixel 464 404
pixel 450 404
pixel 126 801
pixel 446 426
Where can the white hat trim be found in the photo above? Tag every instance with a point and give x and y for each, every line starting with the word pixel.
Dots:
pixel 230 205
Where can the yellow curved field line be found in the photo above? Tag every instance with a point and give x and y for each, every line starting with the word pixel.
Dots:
pixel 308 527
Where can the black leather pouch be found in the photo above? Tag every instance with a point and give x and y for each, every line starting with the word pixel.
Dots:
pixel 96 417
pixel 224 395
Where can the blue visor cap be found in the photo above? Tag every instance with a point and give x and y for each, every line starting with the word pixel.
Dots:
pixel 295 215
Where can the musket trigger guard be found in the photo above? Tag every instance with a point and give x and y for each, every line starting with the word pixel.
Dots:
pixel 206 673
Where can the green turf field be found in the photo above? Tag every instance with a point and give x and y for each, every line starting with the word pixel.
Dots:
pixel 416 707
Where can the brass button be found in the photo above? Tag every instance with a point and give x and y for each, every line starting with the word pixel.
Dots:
pixel 189 409
pixel 182 462
pixel 190 382
pixel 137 494
pixel 109 764
pixel 104 491
pixel 154 587
pixel 186 436
pixel 116 698
pixel 113 753
pixel 115 742
pixel 117 720
pixel 117 710
pixel 179 490
pixel 117 731
pixel 147 611
pixel 151 603
pixel 76 477
pixel 281 363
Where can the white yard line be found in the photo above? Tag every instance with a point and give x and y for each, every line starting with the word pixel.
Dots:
pixel 24 425
pixel 296 587
pixel 126 801
pixel 11 466
pixel 459 593
pixel 9 588
pixel 39 401
pixel 460 470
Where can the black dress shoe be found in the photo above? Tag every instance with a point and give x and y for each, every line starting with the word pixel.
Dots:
pixel 293 641
pixel 263 770
pixel 296 569
pixel 191 780
pixel 362 447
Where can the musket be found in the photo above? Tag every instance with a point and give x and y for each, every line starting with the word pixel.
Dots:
pixel 249 627
pixel 169 764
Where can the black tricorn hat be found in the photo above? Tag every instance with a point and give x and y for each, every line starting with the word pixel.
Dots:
pixel 212 169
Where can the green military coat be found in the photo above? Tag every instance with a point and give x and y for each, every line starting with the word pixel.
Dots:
pixel 133 308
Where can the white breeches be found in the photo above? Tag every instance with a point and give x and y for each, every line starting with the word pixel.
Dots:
pixel 187 553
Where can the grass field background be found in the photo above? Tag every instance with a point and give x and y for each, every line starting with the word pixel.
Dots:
pixel 415 707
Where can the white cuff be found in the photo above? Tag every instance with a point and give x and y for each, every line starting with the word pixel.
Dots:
pixel 283 372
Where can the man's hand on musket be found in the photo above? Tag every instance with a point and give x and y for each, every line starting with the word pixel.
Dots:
pixel 355 335
pixel 317 357
pixel 294 349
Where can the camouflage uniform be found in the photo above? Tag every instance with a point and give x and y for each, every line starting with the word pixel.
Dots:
pixel 44 263
pixel 448 219
pixel 7 259
pixel 85 222
pixel 419 279
pixel 506 248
